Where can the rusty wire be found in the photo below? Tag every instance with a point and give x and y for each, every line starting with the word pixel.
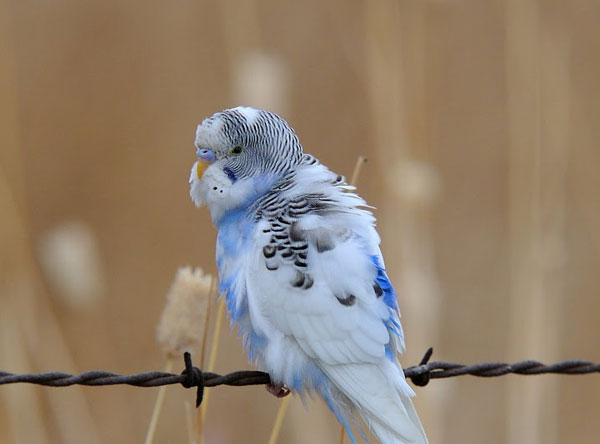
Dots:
pixel 193 377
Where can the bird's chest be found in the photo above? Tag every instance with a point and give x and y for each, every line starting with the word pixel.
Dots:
pixel 234 242
pixel 244 276
pixel 235 234
pixel 242 280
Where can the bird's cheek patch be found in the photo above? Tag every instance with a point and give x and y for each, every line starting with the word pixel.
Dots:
pixel 230 174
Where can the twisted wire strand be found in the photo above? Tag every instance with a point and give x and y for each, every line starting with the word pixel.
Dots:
pixel 148 379
pixel 193 377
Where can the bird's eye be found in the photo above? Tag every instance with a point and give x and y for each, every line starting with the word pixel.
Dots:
pixel 236 150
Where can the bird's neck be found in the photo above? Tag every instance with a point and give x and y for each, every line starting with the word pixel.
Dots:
pixel 244 198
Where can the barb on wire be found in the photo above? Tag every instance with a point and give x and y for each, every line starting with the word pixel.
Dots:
pixel 193 377
pixel 438 369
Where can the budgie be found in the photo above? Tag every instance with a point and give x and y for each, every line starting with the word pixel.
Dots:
pixel 304 279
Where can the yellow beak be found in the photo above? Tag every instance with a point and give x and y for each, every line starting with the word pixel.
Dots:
pixel 200 168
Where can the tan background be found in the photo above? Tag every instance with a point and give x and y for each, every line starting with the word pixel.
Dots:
pixel 481 123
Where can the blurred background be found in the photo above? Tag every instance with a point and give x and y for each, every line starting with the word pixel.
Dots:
pixel 480 120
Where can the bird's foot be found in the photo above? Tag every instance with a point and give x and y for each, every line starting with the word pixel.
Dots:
pixel 277 390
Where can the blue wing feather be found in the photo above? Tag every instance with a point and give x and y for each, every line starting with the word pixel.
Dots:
pixel 390 298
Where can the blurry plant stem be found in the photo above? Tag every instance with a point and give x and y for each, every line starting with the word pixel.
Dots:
pixel 279 420
pixel 213 289
pixel 342 435
pixel 211 366
pixel 24 419
pixel 172 354
pixel 71 412
pixel 539 95
pixel 189 422
pixel 23 416
pixel 359 164
pixel 158 405
pixel 200 415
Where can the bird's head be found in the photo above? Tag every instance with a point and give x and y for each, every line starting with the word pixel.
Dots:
pixel 242 152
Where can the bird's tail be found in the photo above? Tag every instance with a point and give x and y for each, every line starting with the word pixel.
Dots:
pixel 382 398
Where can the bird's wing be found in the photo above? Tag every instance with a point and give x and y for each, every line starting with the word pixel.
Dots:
pixel 334 305
pixel 320 282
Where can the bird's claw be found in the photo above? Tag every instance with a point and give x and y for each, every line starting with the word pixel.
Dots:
pixel 278 390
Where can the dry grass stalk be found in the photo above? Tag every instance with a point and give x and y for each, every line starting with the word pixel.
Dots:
pixel 35 313
pixel 189 422
pixel 538 107
pixel 213 291
pixel 211 365
pixel 70 410
pixel 279 420
pixel 342 434
pixel 24 416
pixel 158 406
pixel 359 164
pixel 182 326
pixel 21 413
pixel 396 36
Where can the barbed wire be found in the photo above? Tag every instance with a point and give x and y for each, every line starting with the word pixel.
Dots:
pixel 420 375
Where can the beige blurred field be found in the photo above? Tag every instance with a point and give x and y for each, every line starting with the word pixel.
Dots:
pixel 481 123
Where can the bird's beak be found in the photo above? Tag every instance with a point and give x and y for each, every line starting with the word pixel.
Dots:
pixel 205 158
pixel 200 168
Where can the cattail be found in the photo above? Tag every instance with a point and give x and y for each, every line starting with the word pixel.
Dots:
pixel 183 321
pixel 183 324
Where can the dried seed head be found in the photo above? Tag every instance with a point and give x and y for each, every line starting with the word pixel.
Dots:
pixel 70 259
pixel 262 79
pixel 182 323
pixel 419 183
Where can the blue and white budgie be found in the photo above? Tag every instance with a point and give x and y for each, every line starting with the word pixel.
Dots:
pixel 302 273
